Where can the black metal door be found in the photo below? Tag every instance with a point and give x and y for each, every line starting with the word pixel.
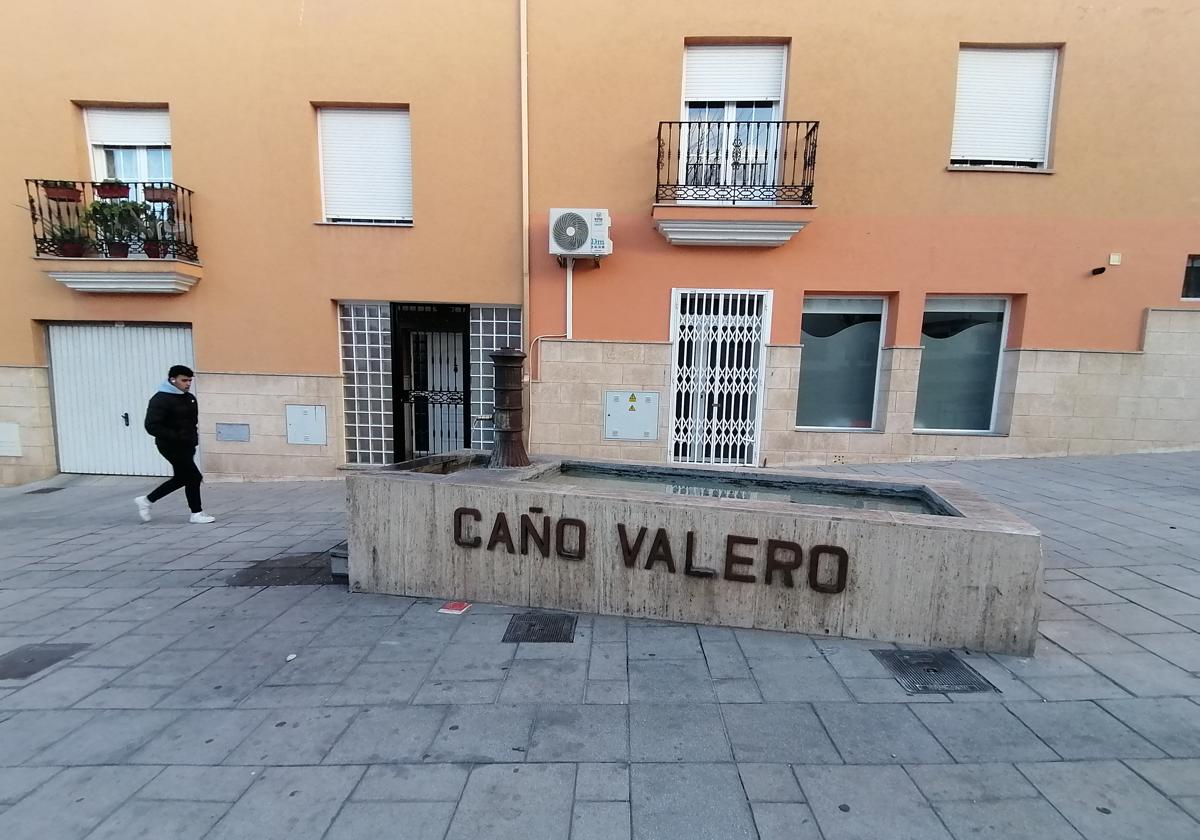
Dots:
pixel 431 391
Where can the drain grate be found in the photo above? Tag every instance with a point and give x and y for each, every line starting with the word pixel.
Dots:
pixel 932 672
pixel 27 660
pixel 42 490
pixel 541 627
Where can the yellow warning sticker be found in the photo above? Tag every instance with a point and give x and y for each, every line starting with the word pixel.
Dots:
pixel 633 397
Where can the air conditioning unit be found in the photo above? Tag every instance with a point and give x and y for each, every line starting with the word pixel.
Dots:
pixel 579 233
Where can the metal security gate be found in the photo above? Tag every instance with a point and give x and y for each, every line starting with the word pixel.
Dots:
pixel 433 404
pixel 718 340
pixel 103 375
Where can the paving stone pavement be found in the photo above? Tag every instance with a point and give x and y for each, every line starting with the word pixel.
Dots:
pixel 181 718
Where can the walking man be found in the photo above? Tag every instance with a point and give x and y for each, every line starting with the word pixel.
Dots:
pixel 171 418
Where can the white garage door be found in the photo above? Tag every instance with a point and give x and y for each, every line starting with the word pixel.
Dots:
pixel 103 375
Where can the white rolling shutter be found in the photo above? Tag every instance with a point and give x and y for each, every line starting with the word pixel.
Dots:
pixel 1003 106
pixel 366 164
pixel 728 74
pixel 128 126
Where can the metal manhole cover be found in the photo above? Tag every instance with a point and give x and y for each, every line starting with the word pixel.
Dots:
pixel 27 660
pixel 541 627
pixel 42 490
pixel 932 672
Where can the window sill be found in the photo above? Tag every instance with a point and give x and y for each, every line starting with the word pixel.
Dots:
pixel 959 432
pixel 838 429
pixel 366 224
pixel 1020 170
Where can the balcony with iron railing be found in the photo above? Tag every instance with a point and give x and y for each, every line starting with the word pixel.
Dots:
pixel 745 182
pixel 115 236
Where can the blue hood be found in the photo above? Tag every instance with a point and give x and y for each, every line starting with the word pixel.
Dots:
pixel 168 388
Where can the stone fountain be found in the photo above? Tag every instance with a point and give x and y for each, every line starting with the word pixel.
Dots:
pixel 918 562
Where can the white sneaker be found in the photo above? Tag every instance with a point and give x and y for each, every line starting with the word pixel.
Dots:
pixel 201 518
pixel 143 506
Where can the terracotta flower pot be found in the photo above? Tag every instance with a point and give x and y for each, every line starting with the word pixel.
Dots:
pixel 62 193
pixel 155 250
pixel 71 249
pixel 118 250
pixel 159 195
pixel 112 189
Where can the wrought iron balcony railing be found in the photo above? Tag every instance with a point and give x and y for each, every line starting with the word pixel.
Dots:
pixel 112 219
pixel 744 162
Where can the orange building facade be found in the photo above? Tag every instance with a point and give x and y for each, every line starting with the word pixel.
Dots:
pixel 839 232
pixel 868 232
pixel 336 178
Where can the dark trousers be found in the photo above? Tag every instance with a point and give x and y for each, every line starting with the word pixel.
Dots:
pixel 185 474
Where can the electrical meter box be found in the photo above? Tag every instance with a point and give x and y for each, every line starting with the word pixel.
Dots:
pixel 631 415
pixel 306 424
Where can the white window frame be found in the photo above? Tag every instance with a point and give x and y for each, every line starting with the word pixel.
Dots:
pixel 730 116
pixel 1004 328
pixel 325 219
pixel 1052 111
pixel 883 325
pixel 100 171
pixel 768 295
pixel 98 162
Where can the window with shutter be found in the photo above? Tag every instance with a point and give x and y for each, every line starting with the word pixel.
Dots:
pixel 130 144
pixel 366 165
pixel 1003 108
pixel 732 96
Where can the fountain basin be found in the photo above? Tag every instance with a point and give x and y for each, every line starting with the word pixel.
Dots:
pixel 926 563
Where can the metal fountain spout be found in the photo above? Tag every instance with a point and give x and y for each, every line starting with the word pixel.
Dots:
pixel 509 450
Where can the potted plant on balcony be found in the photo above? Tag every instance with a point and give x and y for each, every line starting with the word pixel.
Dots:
pixel 159 194
pixel 118 223
pixel 154 239
pixel 72 239
pixel 61 190
pixel 112 188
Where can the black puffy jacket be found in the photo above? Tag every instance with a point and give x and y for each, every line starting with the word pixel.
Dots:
pixel 172 419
